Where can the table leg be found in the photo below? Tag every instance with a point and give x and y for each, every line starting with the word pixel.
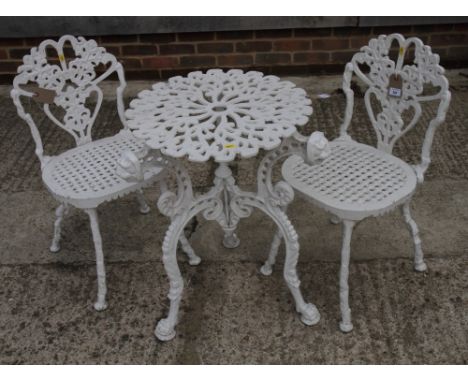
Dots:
pixel 241 204
pixel 212 205
pixel 267 267
pixel 165 330
pixel 275 199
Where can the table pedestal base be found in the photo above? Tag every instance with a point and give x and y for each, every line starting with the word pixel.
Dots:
pixel 231 241
pixel 226 203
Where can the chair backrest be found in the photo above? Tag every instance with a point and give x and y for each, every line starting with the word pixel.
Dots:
pixel 413 77
pixel 73 68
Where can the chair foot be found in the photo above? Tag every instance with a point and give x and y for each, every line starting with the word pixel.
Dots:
pixel 310 315
pixel 266 270
pixel 145 210
pixel 100 306
pixel 346 328
pixel 420 267
pixel 194 260
pixel 164 331
pixel 54 248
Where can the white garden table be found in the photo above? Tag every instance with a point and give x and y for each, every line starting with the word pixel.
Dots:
pixel 220 115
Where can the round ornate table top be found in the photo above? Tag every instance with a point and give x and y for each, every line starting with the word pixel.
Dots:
pixel 218 114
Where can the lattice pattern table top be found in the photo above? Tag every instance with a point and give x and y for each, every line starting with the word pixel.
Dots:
pixel 86 175
pixel 218 114
pixel 356 178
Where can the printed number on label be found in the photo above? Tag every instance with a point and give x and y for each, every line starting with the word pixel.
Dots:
pixel 394 92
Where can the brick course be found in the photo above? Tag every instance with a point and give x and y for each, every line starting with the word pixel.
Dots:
pixel 282 52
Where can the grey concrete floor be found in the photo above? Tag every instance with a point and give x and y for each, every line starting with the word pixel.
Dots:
pixel 231 313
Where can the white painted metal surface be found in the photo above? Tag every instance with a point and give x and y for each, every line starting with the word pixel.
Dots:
pixel 86 176
pixel 220 115
pixel 83 177
pixel 357 181
pixel 354 182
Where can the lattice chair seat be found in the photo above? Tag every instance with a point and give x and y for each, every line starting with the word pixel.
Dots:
pixel 86 175
pixel 354 182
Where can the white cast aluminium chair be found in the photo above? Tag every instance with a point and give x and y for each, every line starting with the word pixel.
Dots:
pixel 85 176
pixel 358 181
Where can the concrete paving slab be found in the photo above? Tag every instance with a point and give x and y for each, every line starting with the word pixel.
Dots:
pixel 440 208
pixel 233 315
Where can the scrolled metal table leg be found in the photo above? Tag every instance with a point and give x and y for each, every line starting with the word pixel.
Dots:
pixel 309 313
pixel 212 207
pixel 165 329
pixel 267 267
pixel 280 194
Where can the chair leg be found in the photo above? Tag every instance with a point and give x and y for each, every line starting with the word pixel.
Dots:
pixel 100 304
pixel 419 264
pixel 61 210
pixel 267 267
pixel 144 207
pixel 345 324
pixel 187 248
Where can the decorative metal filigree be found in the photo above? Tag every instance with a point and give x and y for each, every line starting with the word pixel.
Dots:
pixel 423 70
pixel 74 77
pixel 218 114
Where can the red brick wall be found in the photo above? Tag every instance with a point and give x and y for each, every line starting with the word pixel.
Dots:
pixel 282 52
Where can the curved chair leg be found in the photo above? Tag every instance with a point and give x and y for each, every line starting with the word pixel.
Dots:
pixel 144 207
pixel 345 324
pixel 188 250
pixel 59 213
pixel 419 264
pixel 100 304
pixel 267 267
